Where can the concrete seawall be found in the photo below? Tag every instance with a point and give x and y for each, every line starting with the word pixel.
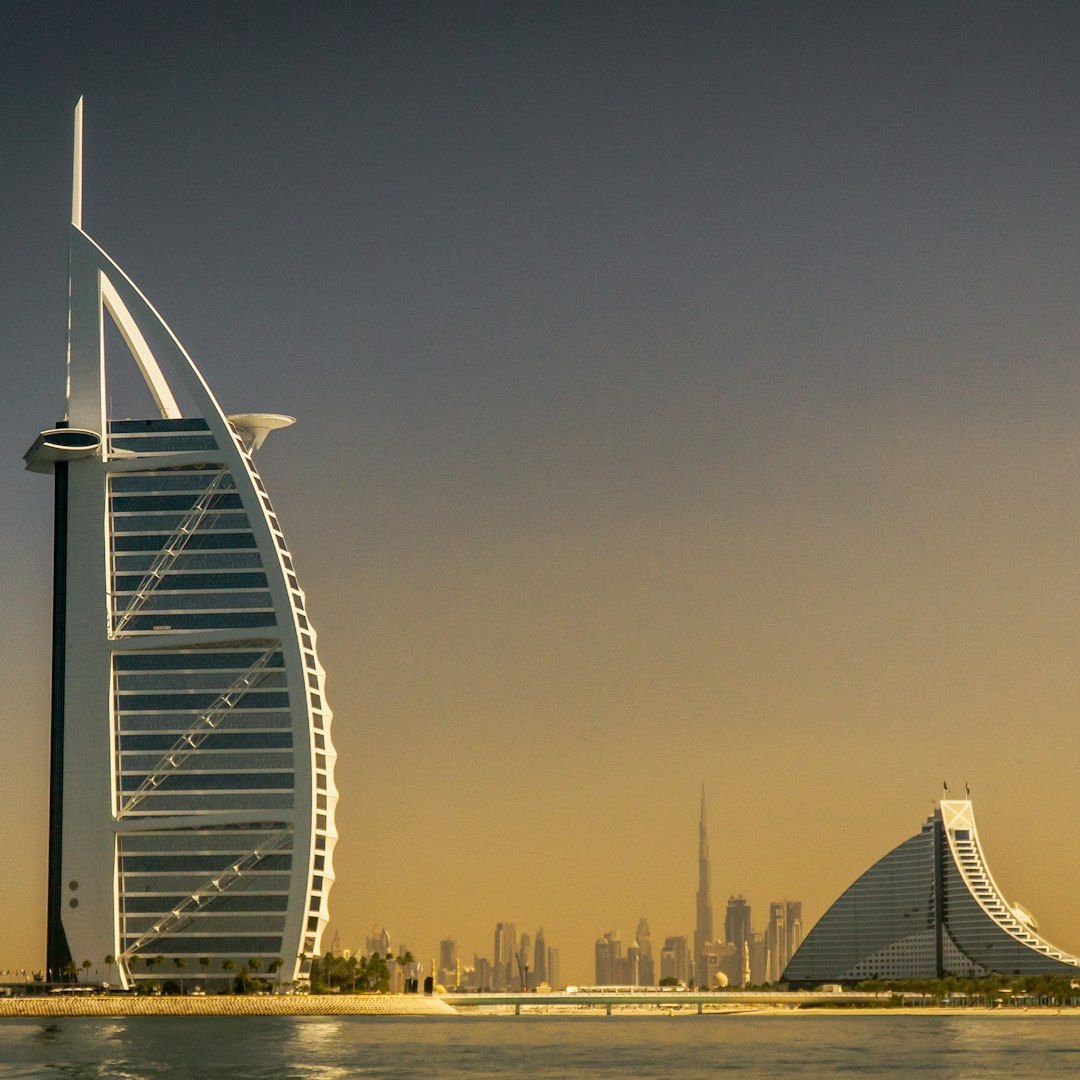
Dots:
pixel 228 1005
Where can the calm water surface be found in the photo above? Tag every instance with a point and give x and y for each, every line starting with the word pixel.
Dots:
pixel 689 1047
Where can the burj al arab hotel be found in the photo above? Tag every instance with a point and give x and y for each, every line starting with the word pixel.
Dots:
pixel 192 770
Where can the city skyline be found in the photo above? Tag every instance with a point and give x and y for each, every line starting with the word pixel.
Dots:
pixel 742 955
pixel 684 391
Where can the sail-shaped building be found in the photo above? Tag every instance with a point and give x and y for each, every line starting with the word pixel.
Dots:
pixel 192 770
pixel 928 909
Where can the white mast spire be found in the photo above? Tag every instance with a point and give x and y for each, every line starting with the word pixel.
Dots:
pixel 76 170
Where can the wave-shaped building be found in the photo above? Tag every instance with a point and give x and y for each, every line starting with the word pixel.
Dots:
pixel 928 909
pixel 192 770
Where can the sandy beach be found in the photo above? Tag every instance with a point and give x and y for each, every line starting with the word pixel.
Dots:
pixel 231 1005
pixel 421 1005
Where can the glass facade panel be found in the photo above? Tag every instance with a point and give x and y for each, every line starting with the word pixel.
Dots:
pixel 202 864
pixel 174 581
pixel 163 444
pixel 185 680
pixel 210 541
pixel 166 480
pixel 204 760
pixel 231 839
pixel 233 946
pixel 171 501
pixel 170 523
pixel 174 622
pixel 163 600
pixel 223 560
pixel 154 803
pixel 246 740
pixel 154 424
pixel 193 660
pixel 171 723
pixel 222 924
pixel 253 699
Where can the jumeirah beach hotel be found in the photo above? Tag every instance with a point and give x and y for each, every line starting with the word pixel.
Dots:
pixel 192 770
pixel 928 909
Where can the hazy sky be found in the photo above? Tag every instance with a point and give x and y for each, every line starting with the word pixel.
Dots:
pixel 685 391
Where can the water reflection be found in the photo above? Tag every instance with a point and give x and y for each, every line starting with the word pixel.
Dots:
pixel 314 1049
pixel 509 1048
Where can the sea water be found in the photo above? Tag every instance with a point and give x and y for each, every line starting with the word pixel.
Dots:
pixel 687 1047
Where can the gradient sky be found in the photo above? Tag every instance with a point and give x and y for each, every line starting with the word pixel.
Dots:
pixel 685 391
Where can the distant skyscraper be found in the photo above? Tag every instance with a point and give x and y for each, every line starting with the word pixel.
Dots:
pixel 505 955
pixel 675 959
pixel 783 936
pixel 707 965
pixel 609 959
pixel 483 977
pixel 737 928
pixel 737 931
pixel 703 934
pixel 646 970
pixel 758 958
pixel 447 962
pixel 793 926
pixel 540 964
pixel 523 966
pixel 776 940
pixel 379 942
pixel 554 976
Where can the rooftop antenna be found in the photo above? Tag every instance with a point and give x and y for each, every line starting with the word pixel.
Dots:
pixel 76 169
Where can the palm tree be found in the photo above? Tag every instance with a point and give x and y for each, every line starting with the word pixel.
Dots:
pixel 376 973
pixel 401 961
pixel 180 963
pixel 70 970
pixel 228 965
pixel 204 965
pixel 86 965
pixel 109 961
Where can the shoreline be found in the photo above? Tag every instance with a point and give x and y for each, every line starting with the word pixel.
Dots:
pixel 769 1011
pixel 230 1005
pixel 418 1005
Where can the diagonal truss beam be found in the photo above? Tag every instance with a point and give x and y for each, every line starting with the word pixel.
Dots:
pixel 166 558
pixel 214 887
pixel 204 726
